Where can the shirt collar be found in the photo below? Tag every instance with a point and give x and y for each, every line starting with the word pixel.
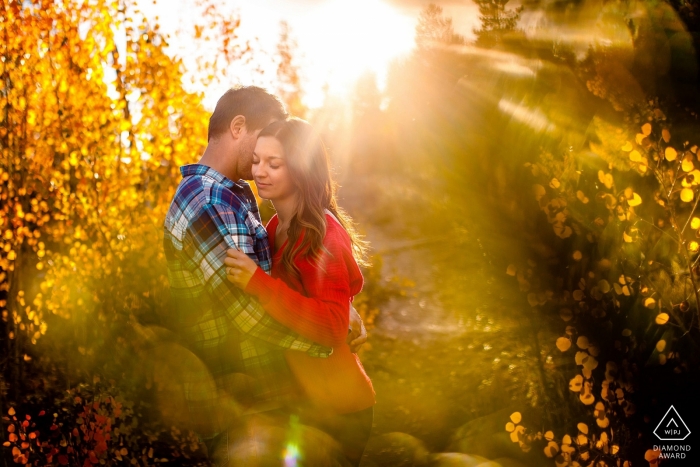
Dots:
pixel 205 170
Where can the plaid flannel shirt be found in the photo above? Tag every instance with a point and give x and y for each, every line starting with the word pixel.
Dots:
pixel 236 340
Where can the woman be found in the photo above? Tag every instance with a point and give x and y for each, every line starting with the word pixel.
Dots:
pixel 314 276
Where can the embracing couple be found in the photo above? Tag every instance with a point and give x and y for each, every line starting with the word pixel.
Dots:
pixel 267 309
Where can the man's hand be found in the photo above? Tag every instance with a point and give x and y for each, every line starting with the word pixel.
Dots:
pixel 358 334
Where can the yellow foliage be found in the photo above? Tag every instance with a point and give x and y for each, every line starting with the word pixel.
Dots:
pixel 670 154
pixel 687 194
pixel 662 318
pixel 84 171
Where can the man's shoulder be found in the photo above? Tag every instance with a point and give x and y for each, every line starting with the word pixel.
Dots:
pixel 197 193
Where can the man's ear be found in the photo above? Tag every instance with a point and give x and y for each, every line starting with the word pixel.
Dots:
pixel 237 126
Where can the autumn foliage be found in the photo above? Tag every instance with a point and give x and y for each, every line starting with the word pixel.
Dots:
pixel 568 157
pixel 92 137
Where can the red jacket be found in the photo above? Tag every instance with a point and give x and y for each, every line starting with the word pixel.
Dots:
pixel 316 306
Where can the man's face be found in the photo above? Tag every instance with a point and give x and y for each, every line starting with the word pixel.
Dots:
pixel 246 147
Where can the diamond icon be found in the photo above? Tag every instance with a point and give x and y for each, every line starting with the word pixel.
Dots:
pixel 672 427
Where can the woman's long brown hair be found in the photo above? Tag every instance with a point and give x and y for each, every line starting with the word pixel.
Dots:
pixel 309 167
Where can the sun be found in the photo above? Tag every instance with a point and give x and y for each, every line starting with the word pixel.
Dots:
pixel 341 40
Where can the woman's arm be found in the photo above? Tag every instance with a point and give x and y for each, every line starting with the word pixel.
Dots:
pixel 323 315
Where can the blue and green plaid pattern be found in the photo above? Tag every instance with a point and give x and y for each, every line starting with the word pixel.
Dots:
pixel 226 328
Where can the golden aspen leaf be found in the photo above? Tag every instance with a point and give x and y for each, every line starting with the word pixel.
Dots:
pixel 566 314
pixel 577 255
pixel 562 231
pixel 554 183
pixel 582 197
pixel 532 299
pixel 614 449
pixel 511 270
pixel 650 303
pixel 515 434
pixel 695 223
pixel 693 246
pixel 694 149
pixel 687 165
pixel 627 238
pixel 539 192
pixel 563 344
pixel 590 364
pixel 510 427
pixel 604 286
pixel 662 318
pixel 580 357
pixel 551 449
pixel 639 138
pixel 516 417
pixel 695 176
pixel 576 383
pixel 670 154
pixel 618 288
pixel 666 135
pixel 661 345
pixel 582 342
pixel 583 428
pixel 662 359
pixel 627 147
pixel 586 398
pixel 593 350
pixel 11 411
pixel 646 129
pixel 651 455
pixel 635 156
pixel 582 439
pixel 687 195
pixel 626 291
pixel 636 200
pixel 549 436
pixel 605 178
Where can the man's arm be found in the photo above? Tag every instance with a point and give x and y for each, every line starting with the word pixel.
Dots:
pixel 207 238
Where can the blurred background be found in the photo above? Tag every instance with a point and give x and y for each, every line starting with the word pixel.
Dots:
pixel 526 173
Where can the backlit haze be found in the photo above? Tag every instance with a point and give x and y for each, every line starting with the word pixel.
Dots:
pixel 337 40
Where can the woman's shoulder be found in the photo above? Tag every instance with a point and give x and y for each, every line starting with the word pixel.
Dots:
pixel 272 222
pixel 335 232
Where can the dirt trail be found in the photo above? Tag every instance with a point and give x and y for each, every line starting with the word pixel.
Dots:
pixel 418 353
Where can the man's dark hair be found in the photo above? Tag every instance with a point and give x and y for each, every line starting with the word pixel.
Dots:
pixel 256 104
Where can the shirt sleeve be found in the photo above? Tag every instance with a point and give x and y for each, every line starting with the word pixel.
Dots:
pixel 208 237
pixel 323 315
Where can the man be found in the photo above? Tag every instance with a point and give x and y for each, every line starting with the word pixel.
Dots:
pixel 214 209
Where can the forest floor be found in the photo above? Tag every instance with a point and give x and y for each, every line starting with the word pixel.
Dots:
pixel 435 367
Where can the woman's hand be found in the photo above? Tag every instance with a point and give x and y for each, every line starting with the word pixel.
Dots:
pixel 357 335
pixel 239 268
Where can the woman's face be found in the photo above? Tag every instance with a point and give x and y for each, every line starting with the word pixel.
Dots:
pixel 270 170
